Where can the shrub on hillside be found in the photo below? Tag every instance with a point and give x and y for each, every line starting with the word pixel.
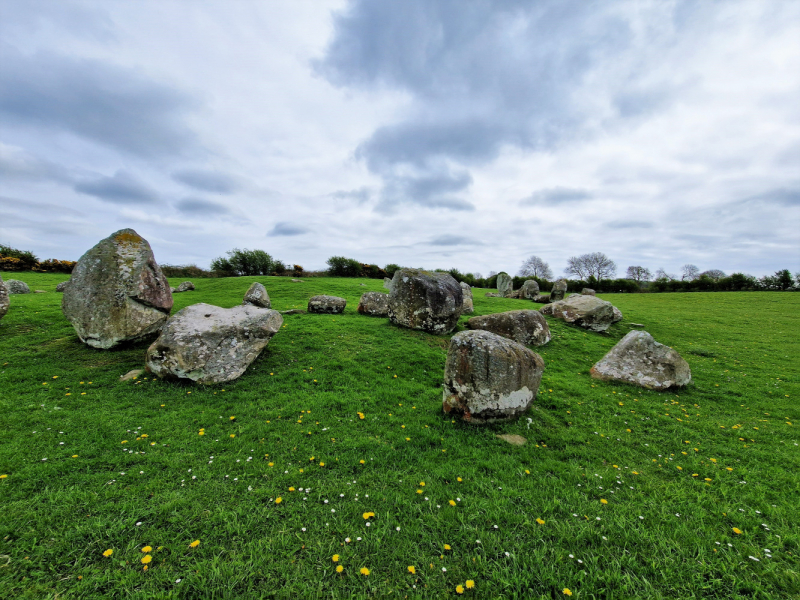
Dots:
pixel 341 266
pixel 391 268
pixel 185 271
pixel 244 262
pixel 52 265
pixel 23 260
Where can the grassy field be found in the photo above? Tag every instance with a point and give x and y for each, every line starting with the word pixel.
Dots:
pixel 619 493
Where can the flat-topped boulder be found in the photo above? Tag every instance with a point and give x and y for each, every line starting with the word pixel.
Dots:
pixel 528 327
pixel 589 312
pixel 489 378
pixel 467 306
pixel 426 300
pixel 208 344
pixel 257 295
pixel 505 284
pixel 15 286
pixel 186 286
pixel 117 292
pixel 374 304
pixel 559 290
pixel 639 359
pixel 326 305
pixel 5 301
pixel 588 292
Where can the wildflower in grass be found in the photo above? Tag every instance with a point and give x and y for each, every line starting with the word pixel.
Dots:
pixel 603 501
pixel 737 531
pixel 108 553
pixel 278 500
pixel 339 568
pixel 452 502
pixel 447 547
pixel 459 479
pixel 459 589
pixel 147 549
pixel 412 570
pixel 3 476
pixel 361 415
pixel 322 464
pixel 361 462
pixel 233 435
pixel 146 559
pixel 194 544
pixel 566 592
pixel 364 571
pixel 540 521
pixel 233 418
pixel 367 515
pixel 335 558
pixel 419 491
pixel 271 464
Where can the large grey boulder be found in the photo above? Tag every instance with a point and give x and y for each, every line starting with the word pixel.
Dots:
pixel 257 296
pixel 387 283
pixel 588 292
pixel 5 301
pixel 326 305
pixel 505 285
pixel 467 307
pixel 15 286
pixel 117 292
pixel 639 359
pixel 542 298
pixel 489 378
pixel 528 327
pixel 529 290
pixel 425 300
pixel 374 304
pixel 209 344
pixel 559 290
pixel 62 286
pixel 589 312
pixel 186 286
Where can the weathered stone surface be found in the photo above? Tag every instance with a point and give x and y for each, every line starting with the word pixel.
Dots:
pixel 559 290
pixel 489 378
pixel 5 301
pixel 588 292
pixel 492 295
pixel 374 304
pixel 186 286
pixel 257 296
pixel 589 312
pixel 425 300
pixel 209 344
pixel 131 375
pixel 117 292
pixel 387 283
pixel 542 298
pixel 467 307
pixel 328 305
pixel 639 359
pixel 529 290
pixel 528 327
pixel 62 286
pixel 617 315
pixel 15 286
pixel 293 311
pixel 511 438
pixel 505 285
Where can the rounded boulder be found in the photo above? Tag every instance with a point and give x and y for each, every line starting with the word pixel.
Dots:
pixel 425 300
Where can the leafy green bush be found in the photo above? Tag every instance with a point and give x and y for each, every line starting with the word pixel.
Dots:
pixel 340 266
pixel 391 268
pixel 245 262
pixel 24 260
pixel 185 271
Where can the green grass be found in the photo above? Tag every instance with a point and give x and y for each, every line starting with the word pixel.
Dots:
pixel 664 532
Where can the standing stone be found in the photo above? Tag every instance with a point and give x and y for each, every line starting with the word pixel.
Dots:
pixel 62 286
pixel 387 283
pixel 489 378
pixel 117 292
pixel 209 344
pixel 639 359
pixel 589 312
pixel 529 290
pixel 425 300
pixel 588 292
pixel 326 305
pixel 505 285
pixel 374 304
pixel 559 290
pixel 257 296
pixel 467 307
pixel 528 327
pixel 15 286
pixel 5 301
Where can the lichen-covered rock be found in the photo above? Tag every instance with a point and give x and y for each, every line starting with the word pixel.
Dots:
pixel 542 298
pixel 489 378
pixel 588 292
pixel 186 286
pixel 327 305
pixel 117 292
pixel 5 301
pixel 529 290
pixel 589 312
pixel 425 300
pixel 528 327
pixel 505 284
pixel 617 315
pixel 15 286
pixel 257 296
pixel 492 295
pixel 387 283
pixel 639 359
pixel 467 307
pixel 209 344
pixel 62 286
pixel 559 290
pixel 374 304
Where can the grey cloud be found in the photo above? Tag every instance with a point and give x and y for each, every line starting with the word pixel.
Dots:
pixel 284 228
pixel 360 195
pixel 630 224
pixel 556 195
pixel 112 105
pixel 122 188
pixel 453 240
pixel 432 190
pixel 17 164
pixel 201 206
pixel 207 180
pixel 788 197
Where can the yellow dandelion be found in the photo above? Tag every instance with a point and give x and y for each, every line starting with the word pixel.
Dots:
pixel 278 500
pixel 566 592
pixel 419 491
pixel 540 521
pixel 412 570
pixel 737 531
pixel 367 515
pixel 291 489
pixel 470 584
pixel 271 464
pixel 339 569
pixel 322 464
pixel 194 544
pixel 603 501
pixel 335 558
pixel 233 435
pixel 364 571
pixel 147 549
pixel 447 547
pixel 361 462
pixel 146 559
pixel 108 553
pixel 452 502
pixel 459 589
pixel 459 479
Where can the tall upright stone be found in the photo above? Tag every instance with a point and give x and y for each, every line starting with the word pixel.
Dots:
pixel 467 307
pixel 505 285
pixel 425 300
pixel 5 301
pixel 559 290
pixel 117 292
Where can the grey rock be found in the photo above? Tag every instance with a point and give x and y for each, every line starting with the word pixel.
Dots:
pixel 297 281
pixel 559 290
pixel 589 312
pixel 529 290
pixel 5 301
pixel 528 327
pixel 492 295
pixel 467 307
pixel 208 344
pixel 62 286
pixel 511 438
pixel 489 378
pixel 131 375
pixel 15 286
pixel 425 300
pixel 374 304
pixel 293 311
pixel 505 285
pixel 639 359
pixel 186 286
pixel 257 296
pixel 387 283
pixel 39 291
pixel 117 292
pixel 327 305
pixel 588 292
pixel 617 315
pixel 542 298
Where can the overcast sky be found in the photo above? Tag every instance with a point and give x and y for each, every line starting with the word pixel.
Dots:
pixel 433 133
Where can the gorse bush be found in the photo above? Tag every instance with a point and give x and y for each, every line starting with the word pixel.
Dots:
pixel 21 260
pixel 185 271
pixel 245 262
pixel 341 266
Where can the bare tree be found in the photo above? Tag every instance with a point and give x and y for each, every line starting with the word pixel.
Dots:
pixel 594 264
pixel 477 275
pixel 535 267
pixel 713 274
pixel 661 275
pixel 639 273
pixel 689 272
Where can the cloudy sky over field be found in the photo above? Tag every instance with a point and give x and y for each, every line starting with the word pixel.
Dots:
pixel 433 133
